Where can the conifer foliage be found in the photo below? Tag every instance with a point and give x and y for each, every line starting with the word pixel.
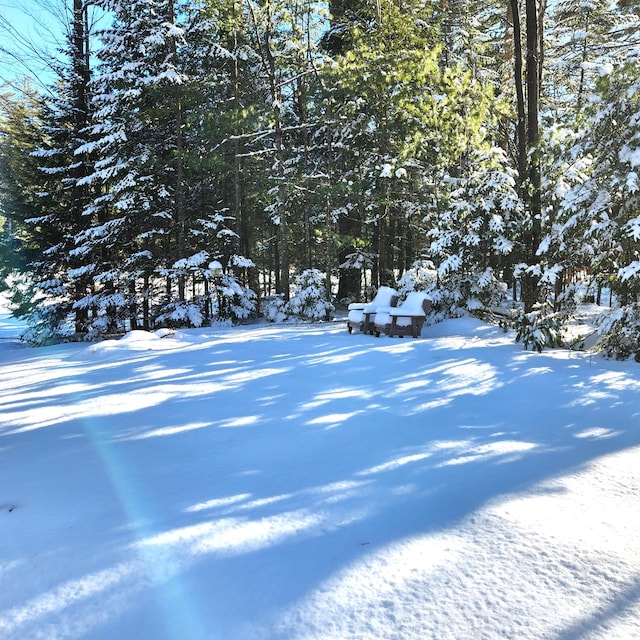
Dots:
pixel 192 158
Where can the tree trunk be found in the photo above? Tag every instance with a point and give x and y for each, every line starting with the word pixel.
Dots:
pixel 348 228
pixel 179 200
pixel 534 190
pixel 270 67
pixel 243 228
pixel 349 283
pixel 80 83
pixel 521 128
pixel 180 217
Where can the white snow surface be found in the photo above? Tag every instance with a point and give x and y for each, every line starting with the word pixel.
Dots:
pixel 297 482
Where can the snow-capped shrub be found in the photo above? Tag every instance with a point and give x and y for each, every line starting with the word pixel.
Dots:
pixel 476 224
pixel 182 314
pixel 233 301
pixel 453 292
pixel 539 330
pixel 273 308
pixel 310 299
pixel 422 276
pixel 109 314
pixel 462 291
pixel 46 326
pixel 621 332
pixel 359 259
pixel 227 301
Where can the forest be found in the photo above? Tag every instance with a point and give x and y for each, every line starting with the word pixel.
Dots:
pixel 205 160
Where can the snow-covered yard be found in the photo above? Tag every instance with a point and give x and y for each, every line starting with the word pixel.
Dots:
pixel 297 482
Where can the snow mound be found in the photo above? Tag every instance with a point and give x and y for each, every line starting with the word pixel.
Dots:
pixel 161 340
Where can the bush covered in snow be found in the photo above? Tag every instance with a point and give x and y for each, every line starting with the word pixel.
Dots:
pixel 474 226
pixel 273 308
pixel 452 290
pixel 422 276
pixel 310 299
pixel 234 301
pixel 539 330
pixel 46 326
pixel 621 332
pixel 228 301
pixel 178 313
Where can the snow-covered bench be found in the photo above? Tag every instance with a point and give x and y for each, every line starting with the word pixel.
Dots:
pixel 362 314
pixel 405 319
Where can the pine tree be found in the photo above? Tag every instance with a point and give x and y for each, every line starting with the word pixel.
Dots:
pixel 406 123
pixel 599 214
pixel 138 224
pixel 585 40
pixel 474 233
pixel 584 45
pixel 281 36
pixel 67 121
pixel 161 99
pixel 61 278
pixel 385 134
pixel 21 182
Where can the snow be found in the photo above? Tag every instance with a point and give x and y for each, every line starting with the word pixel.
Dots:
pixel 631 156
pixel 297 482
pixel 386 171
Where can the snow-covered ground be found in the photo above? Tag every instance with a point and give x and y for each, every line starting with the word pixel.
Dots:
pixel 301 483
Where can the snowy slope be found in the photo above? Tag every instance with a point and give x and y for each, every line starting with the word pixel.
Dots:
pixel 298 482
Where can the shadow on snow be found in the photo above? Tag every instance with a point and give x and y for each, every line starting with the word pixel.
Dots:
pixel 240 471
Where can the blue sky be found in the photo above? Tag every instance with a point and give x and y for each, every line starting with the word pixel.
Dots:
pixel 30 32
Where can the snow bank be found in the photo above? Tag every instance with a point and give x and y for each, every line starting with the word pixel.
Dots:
pixel 161 340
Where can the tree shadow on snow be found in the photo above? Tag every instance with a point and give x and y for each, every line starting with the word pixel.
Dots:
pixel 251 469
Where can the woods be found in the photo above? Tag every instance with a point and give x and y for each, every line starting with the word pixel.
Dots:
pixel 493 146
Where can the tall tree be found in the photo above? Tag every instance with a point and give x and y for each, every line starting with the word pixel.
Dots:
pixel 527 78
pixel 533 230
pixel 58 214
pixel 21 181
pixel 278 39
pixel 598 223
pixel 139 222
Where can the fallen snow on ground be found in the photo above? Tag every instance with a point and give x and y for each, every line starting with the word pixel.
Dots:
pixel 301 483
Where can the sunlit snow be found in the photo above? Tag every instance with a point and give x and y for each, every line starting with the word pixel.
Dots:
pixel 295 482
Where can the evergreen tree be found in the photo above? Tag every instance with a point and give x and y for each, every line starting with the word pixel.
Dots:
pixel 599 214
pixel 67 119
pixel 21 133
pixel 138 221
pixel 584 45
pixel 474 233
pixel 161 217
pixel 282 39
pixel 386 132
pixel 585 40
